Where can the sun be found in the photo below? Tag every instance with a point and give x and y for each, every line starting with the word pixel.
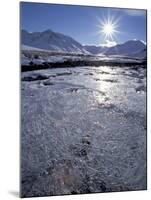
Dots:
pixel 108 29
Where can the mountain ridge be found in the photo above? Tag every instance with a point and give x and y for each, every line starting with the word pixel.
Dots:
pixel 58 42
pixel 49 40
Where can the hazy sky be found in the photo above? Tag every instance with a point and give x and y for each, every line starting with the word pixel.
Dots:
pixel 84 24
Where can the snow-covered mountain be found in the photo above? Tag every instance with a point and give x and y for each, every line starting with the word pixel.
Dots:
pixel 52 41
pixel 96 49
pixel 140 54
pixel 131 47
pixel 57 42
pixel 128 48
pixel 29 48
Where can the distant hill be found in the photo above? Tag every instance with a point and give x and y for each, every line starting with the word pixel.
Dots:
pixel 96 49
pixel 127 48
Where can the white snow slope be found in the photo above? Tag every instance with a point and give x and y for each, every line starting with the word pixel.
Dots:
pixel 52 41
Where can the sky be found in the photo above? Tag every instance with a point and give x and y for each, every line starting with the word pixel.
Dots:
pixel 85 24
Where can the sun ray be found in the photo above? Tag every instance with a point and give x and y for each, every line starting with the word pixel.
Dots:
pixel 109 26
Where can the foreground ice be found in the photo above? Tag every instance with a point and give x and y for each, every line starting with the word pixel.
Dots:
pixel 83 130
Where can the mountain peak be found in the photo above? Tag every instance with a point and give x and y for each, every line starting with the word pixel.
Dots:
pixel 135 41
pixel 52 41
pixel 127 48
pixel 48 31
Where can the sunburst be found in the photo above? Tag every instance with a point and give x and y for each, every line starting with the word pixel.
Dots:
pixel 108 26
